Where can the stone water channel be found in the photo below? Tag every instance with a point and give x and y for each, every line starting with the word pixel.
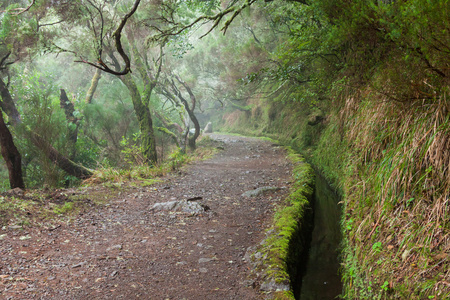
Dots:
pixel 320 278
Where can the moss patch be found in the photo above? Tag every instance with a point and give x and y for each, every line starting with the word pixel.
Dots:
pixel 277 259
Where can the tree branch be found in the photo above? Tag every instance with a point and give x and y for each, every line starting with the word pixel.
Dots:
pixel 428 63
pixel 117 36
pixel 216 18
pixel 21 10
pixel 2 61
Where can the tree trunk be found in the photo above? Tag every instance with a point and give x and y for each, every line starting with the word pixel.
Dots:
pixel 193 139
pixel 11 156
pixel 60 160
pixel 8 105
pixel 69 110
pixel 190 110
pixel 93 87
pixel 148 141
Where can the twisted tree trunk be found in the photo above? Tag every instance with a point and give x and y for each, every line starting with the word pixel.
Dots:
pixel 190 109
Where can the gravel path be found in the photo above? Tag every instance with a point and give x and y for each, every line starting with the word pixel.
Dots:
pixel 127 250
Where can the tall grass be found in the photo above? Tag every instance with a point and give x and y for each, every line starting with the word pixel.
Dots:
pixel 398 197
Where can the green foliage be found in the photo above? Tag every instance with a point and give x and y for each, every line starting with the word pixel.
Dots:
pixel 204 7
pixel 38 105
pixel 109 123
pixel 88 152
pixel 17 33
pixel 179 45
pixel 377 247
pixel 7 23
pixel 131 150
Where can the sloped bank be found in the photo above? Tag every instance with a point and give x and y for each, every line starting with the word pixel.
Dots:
pixel 390 172
pixel 277 259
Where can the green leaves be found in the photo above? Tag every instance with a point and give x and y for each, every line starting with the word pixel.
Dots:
pixel 377 247
pixel 180 44
pixel 206 7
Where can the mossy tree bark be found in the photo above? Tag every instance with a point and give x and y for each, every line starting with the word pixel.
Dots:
pixel 148 141
pixel 7 104
pixel 9 151
pixel 93 87
pixel 141 100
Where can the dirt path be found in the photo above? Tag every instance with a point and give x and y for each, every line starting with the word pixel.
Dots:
pixel 126 250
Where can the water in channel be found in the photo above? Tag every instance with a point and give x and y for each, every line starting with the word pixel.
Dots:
pixel 321 279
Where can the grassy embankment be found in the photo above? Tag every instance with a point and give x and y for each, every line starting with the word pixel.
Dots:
pixel 379 130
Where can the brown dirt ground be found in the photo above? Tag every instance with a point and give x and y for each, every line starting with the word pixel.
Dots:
pixel 124 250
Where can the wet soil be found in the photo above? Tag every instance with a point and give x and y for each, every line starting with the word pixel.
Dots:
pixel 126 250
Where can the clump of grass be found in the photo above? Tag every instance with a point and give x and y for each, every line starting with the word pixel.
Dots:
pixel 67 207
pixel 146 175
pixel 142 173
pixel 37 208
pixel 15 210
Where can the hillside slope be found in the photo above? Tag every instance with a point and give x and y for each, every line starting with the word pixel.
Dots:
pixel 376 123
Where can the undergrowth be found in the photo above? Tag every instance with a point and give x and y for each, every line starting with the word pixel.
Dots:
pixel 38 208
pixel 383 140
pixel 145 175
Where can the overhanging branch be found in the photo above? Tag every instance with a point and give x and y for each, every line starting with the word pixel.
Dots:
pixel 117 36
pixel 19 11
pixel 217 18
